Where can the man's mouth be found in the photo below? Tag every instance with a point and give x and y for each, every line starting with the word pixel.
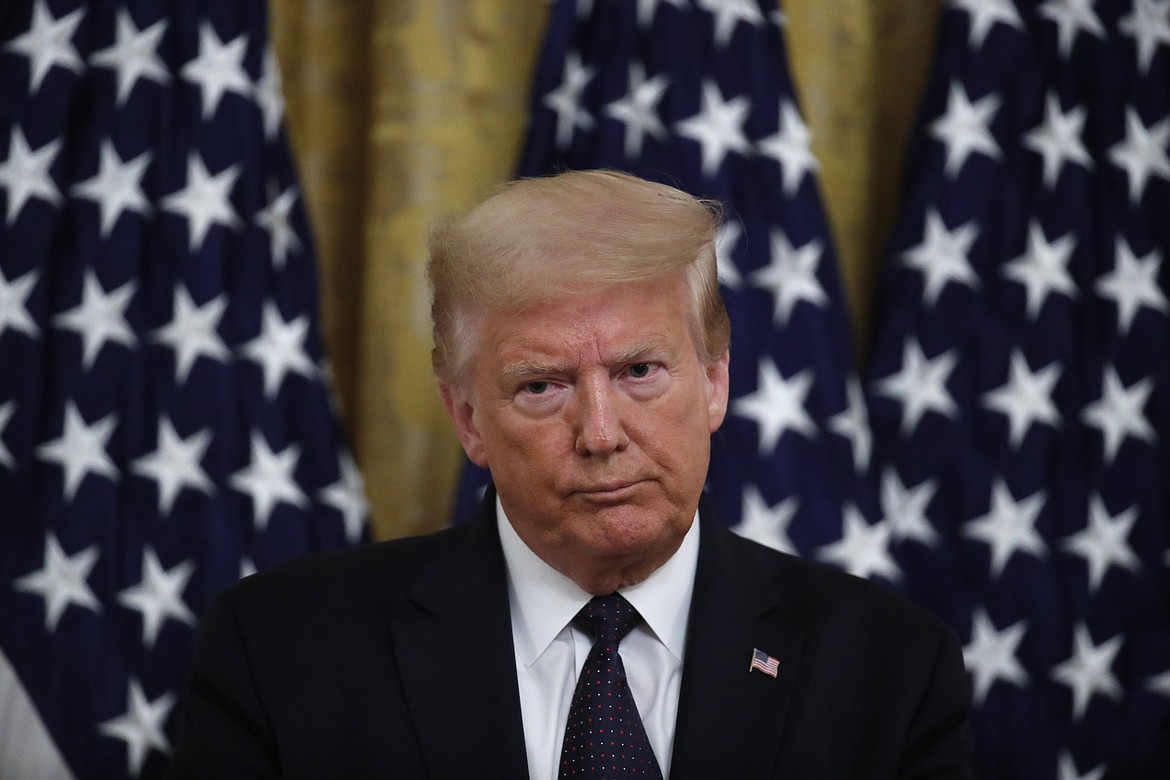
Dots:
pixel 605 492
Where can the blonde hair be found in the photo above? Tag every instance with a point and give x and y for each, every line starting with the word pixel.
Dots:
pixel 568 234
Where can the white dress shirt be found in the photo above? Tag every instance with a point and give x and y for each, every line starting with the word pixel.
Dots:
pixel 550 651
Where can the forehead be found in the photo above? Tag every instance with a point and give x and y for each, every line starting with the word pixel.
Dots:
pixel 611 324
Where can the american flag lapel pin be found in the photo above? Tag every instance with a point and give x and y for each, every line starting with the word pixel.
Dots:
pixel 764 662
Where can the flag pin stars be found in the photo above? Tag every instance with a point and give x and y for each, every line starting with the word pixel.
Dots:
pixel 764 662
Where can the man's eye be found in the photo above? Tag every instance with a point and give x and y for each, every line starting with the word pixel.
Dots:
pixel 536 388
pixel 640 370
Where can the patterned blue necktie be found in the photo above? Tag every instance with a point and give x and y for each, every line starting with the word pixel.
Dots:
pixel 605 738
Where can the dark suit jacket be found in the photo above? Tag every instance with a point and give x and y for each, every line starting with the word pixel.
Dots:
pixel 395 660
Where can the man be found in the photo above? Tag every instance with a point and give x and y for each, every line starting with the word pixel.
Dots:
pixel 581 349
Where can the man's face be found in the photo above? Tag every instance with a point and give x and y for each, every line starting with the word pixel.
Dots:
pixel 594 414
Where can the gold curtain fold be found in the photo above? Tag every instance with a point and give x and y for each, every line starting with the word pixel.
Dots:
pixel 404 111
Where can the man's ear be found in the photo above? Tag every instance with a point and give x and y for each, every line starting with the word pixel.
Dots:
pixel 462 414
pixel 718 389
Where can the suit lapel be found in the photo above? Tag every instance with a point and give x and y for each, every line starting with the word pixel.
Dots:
pixel 730 718
pixel 453 646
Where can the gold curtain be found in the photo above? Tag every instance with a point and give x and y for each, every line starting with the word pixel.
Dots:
pixel 402 111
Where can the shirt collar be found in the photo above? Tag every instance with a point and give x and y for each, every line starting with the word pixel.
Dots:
pixel 543 600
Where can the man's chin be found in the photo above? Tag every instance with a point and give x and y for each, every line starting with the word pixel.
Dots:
pixel 623 534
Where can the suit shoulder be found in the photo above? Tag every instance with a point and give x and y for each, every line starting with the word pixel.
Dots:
pixel 329 577
pixel 816 592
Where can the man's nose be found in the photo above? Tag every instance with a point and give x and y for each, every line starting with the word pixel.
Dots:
pixel 600 429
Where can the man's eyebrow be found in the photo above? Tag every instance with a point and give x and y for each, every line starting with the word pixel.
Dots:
pixel 519 370
pixel 641 350
pixel 522 369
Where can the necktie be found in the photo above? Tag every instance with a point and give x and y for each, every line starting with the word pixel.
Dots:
pixel 605 738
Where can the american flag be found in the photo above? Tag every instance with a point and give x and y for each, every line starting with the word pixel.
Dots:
pixel 1020 381
pixel 698 95
pixel 165 418
pixel 764 662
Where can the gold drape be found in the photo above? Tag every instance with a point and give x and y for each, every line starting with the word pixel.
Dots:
pixel 402 111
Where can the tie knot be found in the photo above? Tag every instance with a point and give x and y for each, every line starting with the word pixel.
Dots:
pixel 607 618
